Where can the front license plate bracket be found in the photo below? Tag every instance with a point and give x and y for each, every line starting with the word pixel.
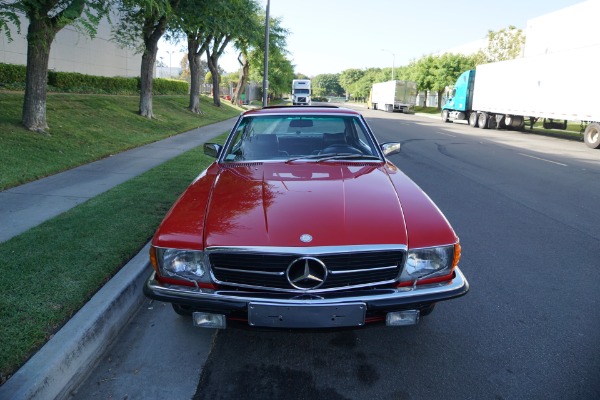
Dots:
pixel 306 316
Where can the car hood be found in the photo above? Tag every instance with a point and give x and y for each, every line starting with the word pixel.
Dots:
pixel 275 204
pixel 279 204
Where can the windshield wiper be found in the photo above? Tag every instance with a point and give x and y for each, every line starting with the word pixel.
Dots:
pixel 348 156
pixel 334 156
pixel 311 157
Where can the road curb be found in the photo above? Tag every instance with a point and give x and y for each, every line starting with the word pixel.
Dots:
pixel 65 360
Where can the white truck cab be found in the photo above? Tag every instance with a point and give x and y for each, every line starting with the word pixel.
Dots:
pixel 301 92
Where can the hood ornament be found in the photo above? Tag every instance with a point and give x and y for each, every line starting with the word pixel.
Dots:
pixel 306 238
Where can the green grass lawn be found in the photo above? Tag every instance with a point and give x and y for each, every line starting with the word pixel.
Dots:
pixel 426 110
pixel 85 128
pixel 49 272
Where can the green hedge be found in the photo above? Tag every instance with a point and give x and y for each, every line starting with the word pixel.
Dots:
pixel 10 73
pixel 72 81
pixel 14 75
pixel 170 86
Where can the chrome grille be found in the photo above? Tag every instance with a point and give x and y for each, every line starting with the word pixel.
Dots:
pixel 268 270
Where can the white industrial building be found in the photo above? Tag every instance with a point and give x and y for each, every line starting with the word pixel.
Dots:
pixel 72 51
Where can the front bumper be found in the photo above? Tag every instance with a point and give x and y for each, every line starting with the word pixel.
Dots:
pixel 378 302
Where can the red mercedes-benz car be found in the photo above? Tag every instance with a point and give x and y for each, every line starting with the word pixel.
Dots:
pixel 302 222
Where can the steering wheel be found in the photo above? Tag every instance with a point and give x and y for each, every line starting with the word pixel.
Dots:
pixel 341 148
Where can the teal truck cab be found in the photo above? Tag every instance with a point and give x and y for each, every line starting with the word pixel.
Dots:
pixel 460 104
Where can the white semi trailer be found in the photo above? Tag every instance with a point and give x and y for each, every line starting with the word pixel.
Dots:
pixel 556 80
pixel 393 96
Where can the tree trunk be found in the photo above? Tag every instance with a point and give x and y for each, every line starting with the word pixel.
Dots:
pixel 214 72
pixel 194 61
pixel 40 35
pixel 439 99
pixel 146 76
pixel 152 33
pixel 241 86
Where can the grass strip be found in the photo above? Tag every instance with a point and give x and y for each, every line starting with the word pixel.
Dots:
pixel 85 128
pixel 427 110
pixel 49 272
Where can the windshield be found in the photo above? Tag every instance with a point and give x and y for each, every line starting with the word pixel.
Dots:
pixel 290 138
pixel 301 91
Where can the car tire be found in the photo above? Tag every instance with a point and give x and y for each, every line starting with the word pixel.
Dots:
pixel 425 311
pixel 182 310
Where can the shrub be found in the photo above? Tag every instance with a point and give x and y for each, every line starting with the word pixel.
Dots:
pixel 170 86
pixel 13 77
pixel 10 73
pixel 75 82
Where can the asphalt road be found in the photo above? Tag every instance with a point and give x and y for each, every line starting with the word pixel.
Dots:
pixel 527 210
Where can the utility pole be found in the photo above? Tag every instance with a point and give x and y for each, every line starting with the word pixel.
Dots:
pixel 170 52
pixel 266 70
pixel 393 61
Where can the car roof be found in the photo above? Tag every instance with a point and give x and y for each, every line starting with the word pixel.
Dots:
pixel 300 110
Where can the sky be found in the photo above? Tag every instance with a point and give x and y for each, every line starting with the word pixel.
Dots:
pixel 330 36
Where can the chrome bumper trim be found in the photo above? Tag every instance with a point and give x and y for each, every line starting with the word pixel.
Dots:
pixel 458 286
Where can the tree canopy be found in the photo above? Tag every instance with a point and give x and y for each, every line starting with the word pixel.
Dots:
pixel 281 70
pixel 327 85
pixel 505 44
pixel 8 16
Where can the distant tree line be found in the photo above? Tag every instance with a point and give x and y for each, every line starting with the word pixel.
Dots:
pixel 431 72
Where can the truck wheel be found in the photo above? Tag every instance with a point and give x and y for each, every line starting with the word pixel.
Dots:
pixel 445 116
pixel 389 108
pixel 591 136
pixel 374 106
pixel 482 120
pixel 473 119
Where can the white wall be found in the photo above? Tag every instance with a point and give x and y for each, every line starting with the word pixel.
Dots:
pixel 72 51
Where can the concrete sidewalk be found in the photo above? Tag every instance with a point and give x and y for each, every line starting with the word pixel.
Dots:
pixel 26 206
pixel 66 359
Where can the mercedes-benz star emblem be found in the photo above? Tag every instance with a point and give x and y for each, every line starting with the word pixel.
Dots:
pixel 306 238
pixel 306 273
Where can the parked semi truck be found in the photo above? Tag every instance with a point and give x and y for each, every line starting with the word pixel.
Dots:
pixel 393 96
pixel 555 81
pixel 301 92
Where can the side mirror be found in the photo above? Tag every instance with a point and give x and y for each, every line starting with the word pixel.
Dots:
pixel 390 148
pixel 212 149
